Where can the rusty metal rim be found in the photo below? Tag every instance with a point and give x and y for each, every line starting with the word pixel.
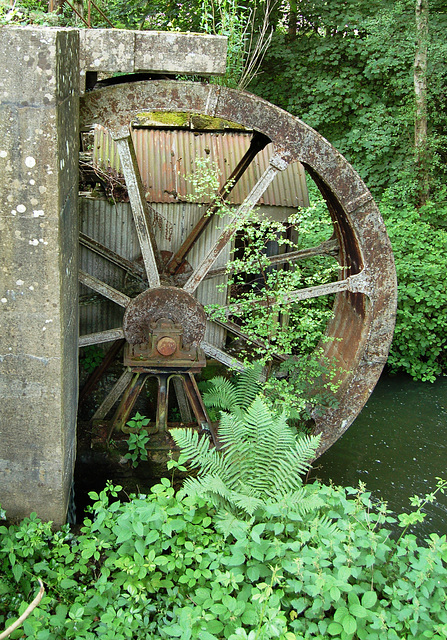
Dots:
pixel 365 247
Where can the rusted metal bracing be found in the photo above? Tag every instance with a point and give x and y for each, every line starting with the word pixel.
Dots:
pixel 365 296
pixel 326 248
pixel 151 257
pixel 196 402
pixel 182 400
pixel 128 400
pixel 258 142
pixel 131 267
pixel 163 376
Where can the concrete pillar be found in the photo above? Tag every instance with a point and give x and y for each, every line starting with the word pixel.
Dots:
pixel 39 89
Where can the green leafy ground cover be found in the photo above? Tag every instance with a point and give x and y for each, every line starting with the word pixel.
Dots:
pixel 157 566
pixel 244 551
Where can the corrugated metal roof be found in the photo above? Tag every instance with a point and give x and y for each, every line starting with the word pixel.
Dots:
pixel 165 157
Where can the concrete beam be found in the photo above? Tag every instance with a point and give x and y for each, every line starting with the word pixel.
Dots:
pixel 125 51
pixel 39 124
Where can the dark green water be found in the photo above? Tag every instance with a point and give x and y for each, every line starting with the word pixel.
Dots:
pixel 397 447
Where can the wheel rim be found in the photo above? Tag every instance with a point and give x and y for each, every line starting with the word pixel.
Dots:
pixel 365 305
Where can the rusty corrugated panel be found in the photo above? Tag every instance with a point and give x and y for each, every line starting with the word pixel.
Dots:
pixel 165 157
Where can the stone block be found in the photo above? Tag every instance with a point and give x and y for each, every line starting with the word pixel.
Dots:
pixel 117 50
pixel 107 50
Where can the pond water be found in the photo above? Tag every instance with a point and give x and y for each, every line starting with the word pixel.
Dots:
pixel 397 447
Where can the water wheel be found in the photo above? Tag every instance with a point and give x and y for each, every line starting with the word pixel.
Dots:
pixel 164 326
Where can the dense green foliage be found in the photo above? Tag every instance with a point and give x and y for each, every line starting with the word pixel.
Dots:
pixel 157 567
pixel 348 72
pixel 420 250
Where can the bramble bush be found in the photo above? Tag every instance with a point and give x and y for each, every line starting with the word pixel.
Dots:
pixel 158 567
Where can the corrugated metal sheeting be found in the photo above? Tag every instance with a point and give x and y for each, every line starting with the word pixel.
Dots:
pixel 112 225
pixel 165 157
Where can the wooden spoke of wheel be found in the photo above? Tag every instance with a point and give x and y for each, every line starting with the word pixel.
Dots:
pixel 276 165
pixel 354 284
pixel 114 395
pixel 109 255
pixel 326 248
pixel 101 336
pixel 221 356
pixel 140 211
pixel 104 289
pixel 95 376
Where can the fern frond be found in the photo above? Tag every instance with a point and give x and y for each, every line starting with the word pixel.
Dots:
pixel 248 385
pixel 198 449
pixel 230 524
pixel 247 503
pixel 210 487
pixel 221 394
pixel 260 463
pixel 237 395
pixel 271 472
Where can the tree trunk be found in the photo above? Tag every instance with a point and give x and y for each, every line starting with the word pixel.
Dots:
pixel 55 5
pixel 292 18
pixel 420 92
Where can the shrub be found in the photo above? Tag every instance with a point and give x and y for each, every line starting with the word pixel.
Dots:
pixel 156 567
pixel 419 244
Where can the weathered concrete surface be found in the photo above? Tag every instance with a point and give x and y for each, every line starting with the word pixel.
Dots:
pixel 119 50
pixel 38 269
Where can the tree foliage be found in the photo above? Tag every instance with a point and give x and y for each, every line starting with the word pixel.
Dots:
pixel 419 241
pixel 348 73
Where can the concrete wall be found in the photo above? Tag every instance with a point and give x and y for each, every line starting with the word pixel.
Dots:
pixel 39 135
pixel 38 269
